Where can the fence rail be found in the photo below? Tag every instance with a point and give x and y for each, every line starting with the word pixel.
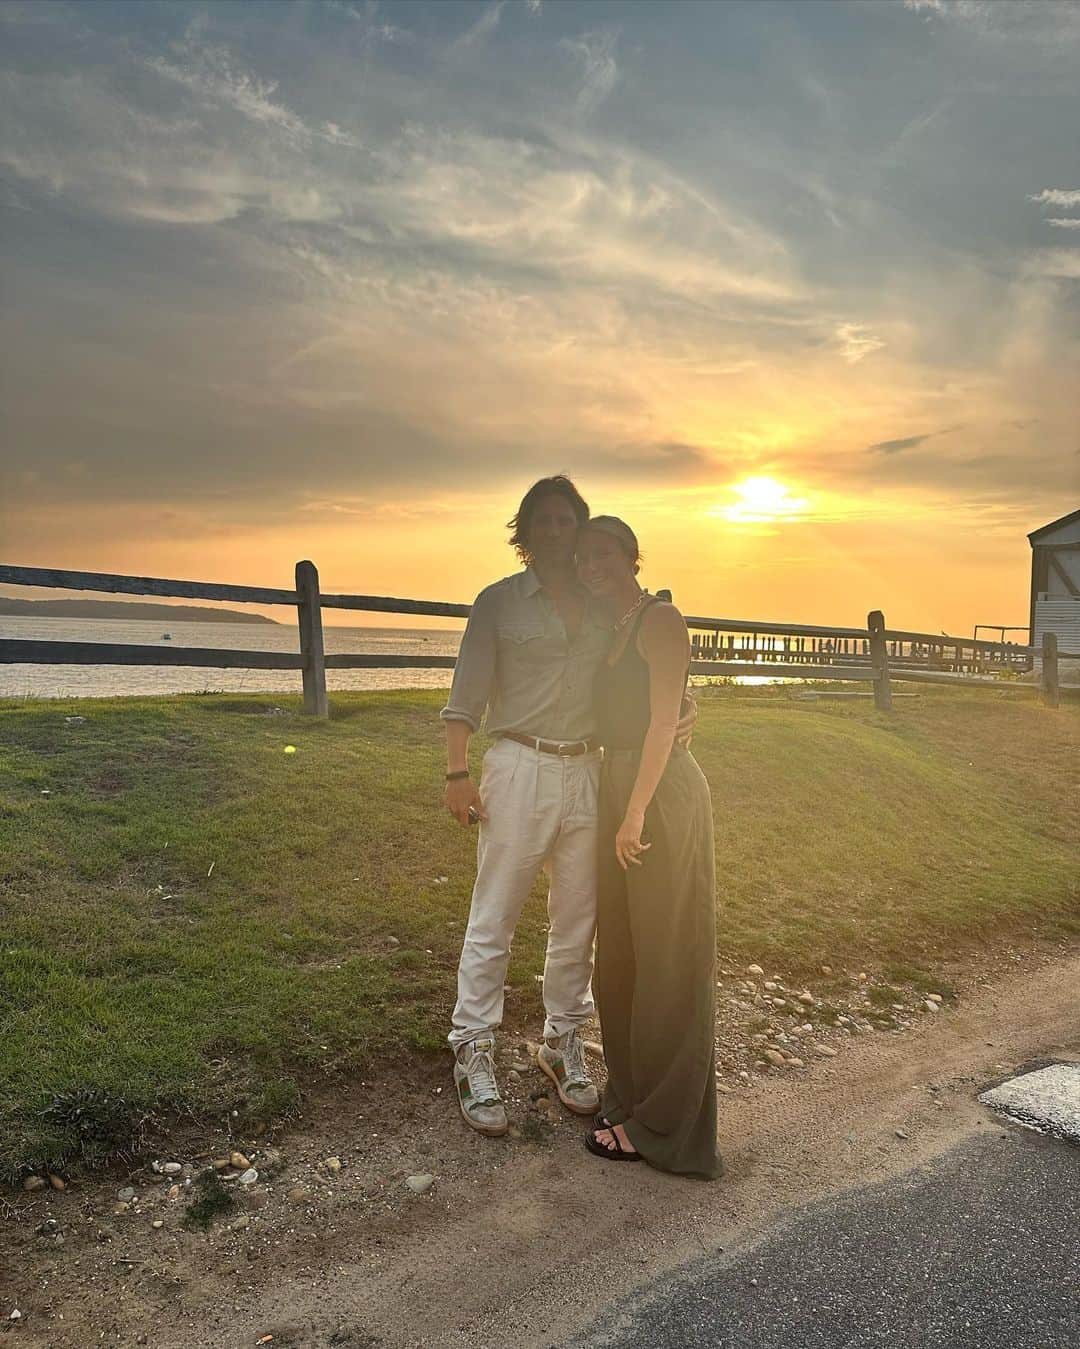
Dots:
pixel 720 646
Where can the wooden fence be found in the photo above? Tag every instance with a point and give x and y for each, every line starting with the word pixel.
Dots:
pixel 874 654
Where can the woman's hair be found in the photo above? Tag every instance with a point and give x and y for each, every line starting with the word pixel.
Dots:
pixel 559 485
pixel 623 535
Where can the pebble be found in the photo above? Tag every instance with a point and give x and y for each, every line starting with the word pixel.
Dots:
pixel 392 941
pixel 33 1183
pixel 238 1224
pixel 299 1194
pixel 754 969
pixel 931 1006
pixel 173 1191
pixel 793 1062
pixel 126 1194
pixel 774 1057
pixel 900 1133
pixel 934 997
pixel 171 1169
pixel 770 985
pixel 826 1051
pixel 826 970
pixel 121 1207
pixel 249 1177
pixel 221 1163
pixel 514 1075
pixel 807 999
pixel 420 1184
pixel 238 1160
pixel 158 1222
pixel 333 1165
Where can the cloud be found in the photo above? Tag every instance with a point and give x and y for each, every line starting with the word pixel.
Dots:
pixel 480 31
pixel 596 51
pixel 1036 21
pixel 373 31
pixel 1065 224
pixel 211 73
pixel 894 446
pixel 1057 196
pixel 856 342
pixel 1063 263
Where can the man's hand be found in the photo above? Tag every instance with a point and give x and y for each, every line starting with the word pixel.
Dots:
pixel 685 728
pixel 459 796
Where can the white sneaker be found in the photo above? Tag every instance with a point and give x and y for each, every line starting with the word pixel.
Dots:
pixel 562 1058
pixel 478 1092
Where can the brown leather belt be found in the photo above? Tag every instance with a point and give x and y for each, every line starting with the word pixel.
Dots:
pixel 564 748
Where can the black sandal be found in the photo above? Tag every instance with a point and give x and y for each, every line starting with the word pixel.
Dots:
pixel 601 1121
pixel 616 1154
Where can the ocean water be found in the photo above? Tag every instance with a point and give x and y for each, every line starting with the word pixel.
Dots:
pixel 99 681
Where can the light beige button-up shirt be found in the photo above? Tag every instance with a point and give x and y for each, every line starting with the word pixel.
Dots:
pixel 516 661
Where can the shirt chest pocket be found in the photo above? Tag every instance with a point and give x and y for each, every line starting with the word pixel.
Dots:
pixel 524 642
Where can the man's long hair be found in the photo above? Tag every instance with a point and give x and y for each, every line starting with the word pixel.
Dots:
pixel 559 485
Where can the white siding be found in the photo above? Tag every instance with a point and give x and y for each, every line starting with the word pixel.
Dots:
pixel 1062 617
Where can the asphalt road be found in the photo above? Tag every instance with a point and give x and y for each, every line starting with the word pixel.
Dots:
pixel 980 1250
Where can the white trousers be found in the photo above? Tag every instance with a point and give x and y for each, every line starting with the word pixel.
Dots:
pixel 542 813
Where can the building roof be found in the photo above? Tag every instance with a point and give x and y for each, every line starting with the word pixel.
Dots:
pixel 1037 534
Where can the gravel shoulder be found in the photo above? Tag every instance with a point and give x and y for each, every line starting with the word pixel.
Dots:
pixel 522 1240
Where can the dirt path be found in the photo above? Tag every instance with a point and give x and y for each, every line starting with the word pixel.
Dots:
pixel 518 1242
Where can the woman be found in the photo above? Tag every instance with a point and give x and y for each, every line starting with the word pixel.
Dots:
pixel 656 917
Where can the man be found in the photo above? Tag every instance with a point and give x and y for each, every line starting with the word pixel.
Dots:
pixel 530 651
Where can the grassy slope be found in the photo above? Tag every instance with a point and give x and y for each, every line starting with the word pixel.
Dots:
pixel 129 966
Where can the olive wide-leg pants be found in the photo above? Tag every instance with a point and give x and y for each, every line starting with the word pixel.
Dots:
pixel 655 979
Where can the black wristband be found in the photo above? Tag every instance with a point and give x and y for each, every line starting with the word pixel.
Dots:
pixel 456 777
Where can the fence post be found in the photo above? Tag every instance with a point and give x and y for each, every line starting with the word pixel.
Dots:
pixel 311 639
pixel 879 659
pixel 1050 669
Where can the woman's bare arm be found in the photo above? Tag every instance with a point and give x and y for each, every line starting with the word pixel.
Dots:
pixel 665 644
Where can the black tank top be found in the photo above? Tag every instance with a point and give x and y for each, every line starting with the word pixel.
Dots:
pixel 621 695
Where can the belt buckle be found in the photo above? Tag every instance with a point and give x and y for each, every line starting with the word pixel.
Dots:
pixel 564 748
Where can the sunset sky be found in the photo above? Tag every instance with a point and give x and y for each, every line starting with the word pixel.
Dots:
pixel 791 287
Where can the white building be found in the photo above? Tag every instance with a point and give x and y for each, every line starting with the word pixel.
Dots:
pixel 1055 582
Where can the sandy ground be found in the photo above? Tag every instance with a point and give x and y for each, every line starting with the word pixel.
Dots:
pixel 520 1241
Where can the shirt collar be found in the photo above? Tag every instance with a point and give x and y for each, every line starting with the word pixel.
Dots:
pixel 531 585
pixel 530 582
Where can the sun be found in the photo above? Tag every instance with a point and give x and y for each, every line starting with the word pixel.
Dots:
pixel 761 499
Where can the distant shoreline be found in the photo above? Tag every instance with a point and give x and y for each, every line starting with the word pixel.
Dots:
pixel 127 609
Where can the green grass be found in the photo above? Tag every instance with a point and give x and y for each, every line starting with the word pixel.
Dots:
pixel 192 920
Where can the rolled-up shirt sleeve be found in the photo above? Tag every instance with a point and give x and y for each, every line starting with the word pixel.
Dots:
pixel 474 673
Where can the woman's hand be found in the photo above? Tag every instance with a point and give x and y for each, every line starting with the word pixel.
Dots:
pixel 628 844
